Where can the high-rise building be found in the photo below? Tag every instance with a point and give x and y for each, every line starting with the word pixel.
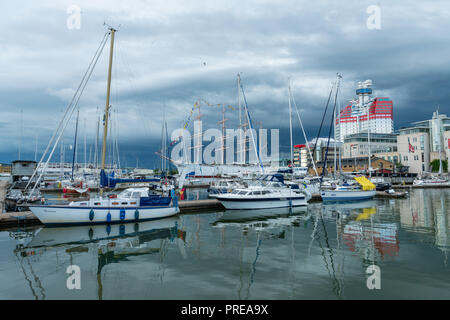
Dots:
pixel 365 112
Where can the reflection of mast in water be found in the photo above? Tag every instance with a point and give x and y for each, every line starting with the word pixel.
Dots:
pixel 316 236
pixel 336 284
pixel 107 254
pixel 241 282
pixel 253 271
pixel 293 261
pixel 24 255
pixel 37 281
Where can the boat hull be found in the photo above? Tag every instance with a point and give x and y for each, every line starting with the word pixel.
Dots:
pixel 68 215
pixel 237 204
pixel 337 195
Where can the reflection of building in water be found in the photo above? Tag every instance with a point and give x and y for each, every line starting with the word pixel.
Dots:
pixel 365 239
pixel 416 212
pixel 442 239
pixel 427 211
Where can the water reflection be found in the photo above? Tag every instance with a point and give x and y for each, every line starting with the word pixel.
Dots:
pixel 428 213
pixel 268 224
pixel 108 243
pixel 318 251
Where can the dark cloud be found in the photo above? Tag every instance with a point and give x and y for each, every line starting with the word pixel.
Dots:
pixel 170 53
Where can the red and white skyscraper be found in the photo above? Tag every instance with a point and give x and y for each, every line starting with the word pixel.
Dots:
pixel 353 118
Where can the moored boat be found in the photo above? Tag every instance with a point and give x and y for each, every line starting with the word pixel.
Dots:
pixel 365 190
pixel 131 205
pixel 431 182
pixel 267 193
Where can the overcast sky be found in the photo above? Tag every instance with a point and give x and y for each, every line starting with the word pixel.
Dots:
pixel 168 54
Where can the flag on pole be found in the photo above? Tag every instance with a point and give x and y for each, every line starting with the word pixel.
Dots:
pixel 411 148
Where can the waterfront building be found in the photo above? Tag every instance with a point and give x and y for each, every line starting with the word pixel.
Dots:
pixel 300 155
pixel 5 168
pixel 423 142
pixel 22 169
pixel 364 113
pixel 318 151
pixel 357 144
pixel 356 164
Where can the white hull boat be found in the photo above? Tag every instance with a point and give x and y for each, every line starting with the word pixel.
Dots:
pixel 351 192
pixel 347 195
pixel 268 194
pixel 431 182
pixel 132 205
pixel 254 203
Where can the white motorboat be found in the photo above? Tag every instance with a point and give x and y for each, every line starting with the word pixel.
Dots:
pixel 266 193
pixel 365 190
pixel 133 204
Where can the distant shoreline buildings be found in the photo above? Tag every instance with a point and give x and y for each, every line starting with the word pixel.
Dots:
pixel 413 148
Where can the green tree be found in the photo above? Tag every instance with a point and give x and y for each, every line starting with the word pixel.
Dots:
pixel 435 165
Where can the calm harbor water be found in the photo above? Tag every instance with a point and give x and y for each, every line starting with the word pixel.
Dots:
pixel 318 252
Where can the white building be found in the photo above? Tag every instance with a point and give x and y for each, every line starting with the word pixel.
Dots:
pixel 365 112
pixel 424 142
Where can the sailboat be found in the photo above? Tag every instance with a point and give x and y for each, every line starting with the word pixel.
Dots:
pixel 132 204
pixel 364 189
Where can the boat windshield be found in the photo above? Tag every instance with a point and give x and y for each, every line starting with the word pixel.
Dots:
pixel 129 194
pixel 125 194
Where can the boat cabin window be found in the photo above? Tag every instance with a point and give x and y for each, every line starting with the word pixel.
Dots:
pixel 125 194
pixel 265 192
pixel 136 195
pixel 235 192
pixel 243 192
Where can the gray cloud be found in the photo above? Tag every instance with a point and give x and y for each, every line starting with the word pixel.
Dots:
pixel 170 53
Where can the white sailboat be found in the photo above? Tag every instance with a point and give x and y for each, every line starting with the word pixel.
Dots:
pixel 133 204
pixel 364 190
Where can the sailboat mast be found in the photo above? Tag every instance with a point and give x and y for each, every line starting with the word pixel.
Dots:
pixel 290 125
pixel 96 144
pixel 108 91
pixel 240 157
pixel 439 139
pixel 75 144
